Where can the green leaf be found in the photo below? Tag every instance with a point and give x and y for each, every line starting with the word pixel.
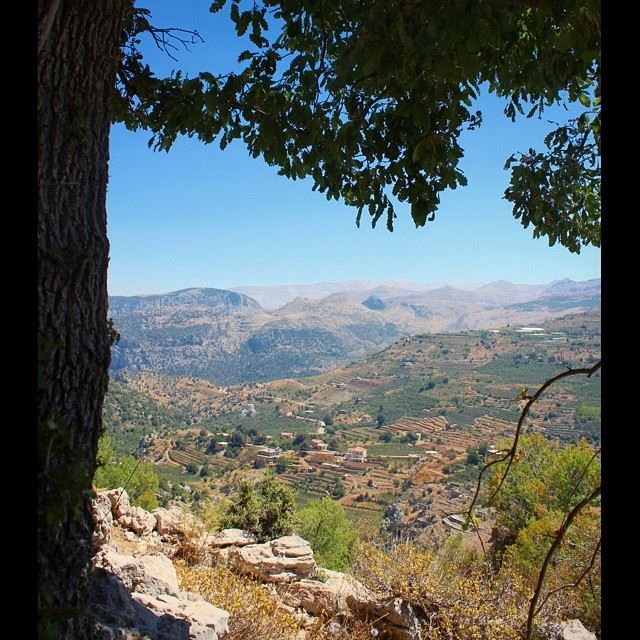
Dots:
pixel 217 5
pixel 235 13
pixel 585 101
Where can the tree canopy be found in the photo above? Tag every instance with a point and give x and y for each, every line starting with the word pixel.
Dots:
pixel 266 508
pixel 333 538
pixel 369 99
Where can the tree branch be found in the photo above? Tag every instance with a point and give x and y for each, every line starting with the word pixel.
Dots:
pixel 573 585
pixel 161 38
pixel 556 543
pixel 511 453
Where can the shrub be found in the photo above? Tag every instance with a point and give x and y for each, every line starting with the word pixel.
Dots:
pixel 266 508
pixel 254 611
pixel 463 601
pixel 333 539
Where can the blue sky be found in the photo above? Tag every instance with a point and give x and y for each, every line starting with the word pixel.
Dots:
pixel 201 217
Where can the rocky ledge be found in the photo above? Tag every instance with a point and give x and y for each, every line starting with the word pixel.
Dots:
pixel 135 591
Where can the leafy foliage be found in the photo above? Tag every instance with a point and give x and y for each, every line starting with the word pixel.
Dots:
pixel 333 539
pixel 140 479
pixel 548 478
pixel 370 99
pixel 266 508
pixel 546 482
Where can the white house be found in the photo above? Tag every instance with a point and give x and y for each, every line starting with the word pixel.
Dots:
pixel 356 454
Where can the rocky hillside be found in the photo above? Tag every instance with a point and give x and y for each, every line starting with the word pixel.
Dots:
pixel 163 575
pixel 228 337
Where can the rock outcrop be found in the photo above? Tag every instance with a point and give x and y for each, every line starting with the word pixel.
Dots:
pixel 138 520
pixel 152 574
pixel 203 617
pixel 396 617
pixel 136 594
pixel 102 520
pixel 232 538
pixel 121 615
pixel 569 630
pixel 327 596
pixel 284 559
pixel 169 521
pixel 119 501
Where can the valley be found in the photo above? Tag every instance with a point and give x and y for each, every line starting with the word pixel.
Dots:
pixel 396 437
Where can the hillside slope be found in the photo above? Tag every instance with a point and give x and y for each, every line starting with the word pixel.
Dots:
pixel 228 337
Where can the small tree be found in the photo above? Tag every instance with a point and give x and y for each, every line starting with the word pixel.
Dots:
pixel 472 456
pixel 332 537
pixel 339 491
pixel 266 509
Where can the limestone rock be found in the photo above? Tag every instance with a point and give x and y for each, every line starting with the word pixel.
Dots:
pixel 204 618
pixel 169 521
pixel 138 520
pixel 190 595
pixel 126 568
pixel 395 616
pixel 152 575
pixel 328 597
pixel 113 612
pixel 102 520
pixel 118 615
pixel 281 560
pixel 161 575
pixel 574 630
pixel 232 538
pixel 119 501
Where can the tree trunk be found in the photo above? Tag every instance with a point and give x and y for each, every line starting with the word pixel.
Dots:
pixel 78 49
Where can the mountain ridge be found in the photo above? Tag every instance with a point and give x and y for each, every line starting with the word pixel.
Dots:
pixel 227 336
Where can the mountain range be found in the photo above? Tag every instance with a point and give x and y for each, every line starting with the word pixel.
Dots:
pixel 228 336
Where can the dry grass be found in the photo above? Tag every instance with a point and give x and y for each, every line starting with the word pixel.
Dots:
pixel 459 599
pixel 255 611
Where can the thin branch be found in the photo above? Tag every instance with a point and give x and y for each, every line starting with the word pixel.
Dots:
pixel 162 39
pixel 511 453
pixel 573 585
pixel 126 484
pixel 596 453
pixel 547 559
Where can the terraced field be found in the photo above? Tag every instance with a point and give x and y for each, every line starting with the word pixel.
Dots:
pixel 366 521
pixel 188 456
pixel 454 391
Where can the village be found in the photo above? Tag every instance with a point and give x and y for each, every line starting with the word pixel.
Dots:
pixel 397 439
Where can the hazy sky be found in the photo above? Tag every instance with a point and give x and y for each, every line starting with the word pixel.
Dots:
pixel 201 217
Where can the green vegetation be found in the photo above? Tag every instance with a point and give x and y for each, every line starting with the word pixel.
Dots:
pixel 128 415
pixel 548 480
pixel 266 508
pixel 365 117
pixel 138 477
pixel 333 539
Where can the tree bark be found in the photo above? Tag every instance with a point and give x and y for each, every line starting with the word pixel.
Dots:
pixel 78 54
